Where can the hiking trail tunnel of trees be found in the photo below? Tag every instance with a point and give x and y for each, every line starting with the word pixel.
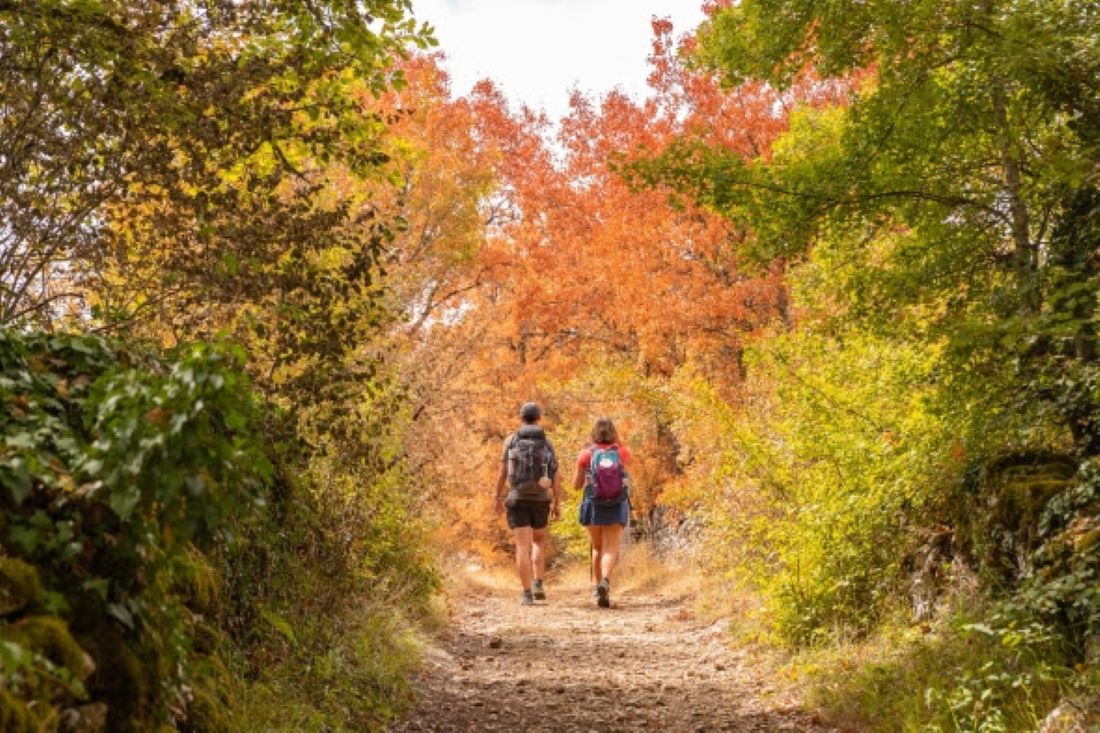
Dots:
pixel 272 291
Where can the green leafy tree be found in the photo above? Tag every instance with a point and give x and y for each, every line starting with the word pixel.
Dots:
pixel 936 397
pixel 959 186
pixel 184 129
pixel 176 171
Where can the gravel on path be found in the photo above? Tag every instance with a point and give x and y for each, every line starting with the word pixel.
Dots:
pixel 563 664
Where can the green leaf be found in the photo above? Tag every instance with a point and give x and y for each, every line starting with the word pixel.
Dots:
pixel 16 479
pixel 123 501
pixel 55 602
pixel 980 628
pixel 97 585
pixel 21 440
pixel 122 614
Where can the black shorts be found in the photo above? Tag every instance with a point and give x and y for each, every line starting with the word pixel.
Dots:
pixel 533 513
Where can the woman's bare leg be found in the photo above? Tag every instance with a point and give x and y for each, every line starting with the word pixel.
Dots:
pixel 596 536
pixel 611 536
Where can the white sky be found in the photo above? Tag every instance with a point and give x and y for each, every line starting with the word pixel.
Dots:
pixel 537 50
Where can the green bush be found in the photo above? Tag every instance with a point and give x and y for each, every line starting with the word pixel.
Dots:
pixel 849 475
pixel 322 592
pixel 822 476
pixel 964 676
pixel 162 556
pixel 114 466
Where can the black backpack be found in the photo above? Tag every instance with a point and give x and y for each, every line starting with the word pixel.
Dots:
pixel 528 461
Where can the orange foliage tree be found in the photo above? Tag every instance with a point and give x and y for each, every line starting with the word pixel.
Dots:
pixel 567 284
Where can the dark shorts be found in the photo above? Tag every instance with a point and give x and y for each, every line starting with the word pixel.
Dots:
pixel 533 513
pixel 602 515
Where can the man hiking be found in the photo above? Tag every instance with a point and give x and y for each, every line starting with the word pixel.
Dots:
pixel 528 487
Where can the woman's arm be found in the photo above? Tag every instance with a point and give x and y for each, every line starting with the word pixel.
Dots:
pixel 578 479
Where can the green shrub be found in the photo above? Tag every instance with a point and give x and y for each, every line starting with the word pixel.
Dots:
pixel 114 465
pixel 320 593
pixel 1032 638
pixel 200 565
pixel 963 675
pixel 816 484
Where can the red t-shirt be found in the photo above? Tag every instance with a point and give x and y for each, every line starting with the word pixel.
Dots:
pixel 584 460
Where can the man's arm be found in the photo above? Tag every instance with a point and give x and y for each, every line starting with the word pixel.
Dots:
pixel 555 484
pixel 501 490
pixel 555 490
pixel 502 481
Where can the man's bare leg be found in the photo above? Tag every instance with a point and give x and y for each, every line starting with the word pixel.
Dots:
pixel 523 555
pixel 538 551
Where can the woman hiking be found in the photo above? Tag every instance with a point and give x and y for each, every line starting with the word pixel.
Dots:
pixel 605 509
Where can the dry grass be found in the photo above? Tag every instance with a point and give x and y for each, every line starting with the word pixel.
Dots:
pixel 642 570
pixel 639 570
pixel 464 574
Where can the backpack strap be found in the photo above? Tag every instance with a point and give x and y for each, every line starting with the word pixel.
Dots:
pixel 591 457
pixel 590 472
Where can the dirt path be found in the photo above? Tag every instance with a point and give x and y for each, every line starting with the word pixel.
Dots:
pixel 565 665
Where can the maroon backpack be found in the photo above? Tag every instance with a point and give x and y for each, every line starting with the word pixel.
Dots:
pixel 607 475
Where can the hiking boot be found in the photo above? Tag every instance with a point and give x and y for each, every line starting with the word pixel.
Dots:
pixel 528 599
pixel 603 594
pixel 538 592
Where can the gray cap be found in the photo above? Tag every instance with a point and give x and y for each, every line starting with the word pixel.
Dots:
pixel 530 412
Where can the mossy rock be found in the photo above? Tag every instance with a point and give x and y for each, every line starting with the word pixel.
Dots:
pixel 128 678
pixel 119 679
pixel 208 712
pixel 20 588
pixel 1015 490
pixel 130 671
pixel 17 716
pixel 1086 540
pixel 198 583
pixel 91 718
pixel 49 636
